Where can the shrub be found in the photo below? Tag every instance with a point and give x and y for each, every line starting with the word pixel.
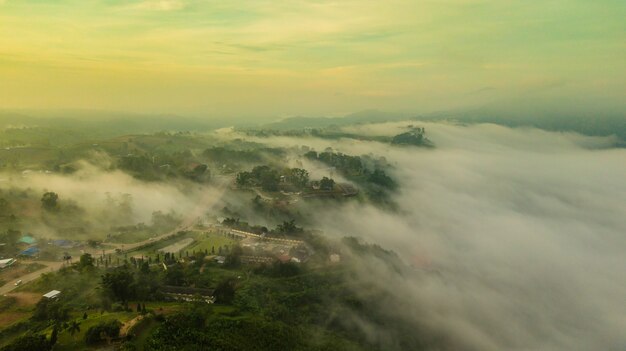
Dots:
pixel 103 331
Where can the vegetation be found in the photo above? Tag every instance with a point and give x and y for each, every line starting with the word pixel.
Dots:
pixel 415 137
pixel 199 288
pixel 103 331
pixel 270 179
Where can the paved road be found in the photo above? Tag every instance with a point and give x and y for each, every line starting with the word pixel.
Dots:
pixel 50 267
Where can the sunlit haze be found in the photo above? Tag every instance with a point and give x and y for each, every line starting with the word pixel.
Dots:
pixel 280 58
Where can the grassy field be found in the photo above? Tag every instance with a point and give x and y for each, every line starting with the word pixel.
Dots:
pixel 77 342
pixel 202 241
pixel 133 236
pixel 207 241
pixel 152 249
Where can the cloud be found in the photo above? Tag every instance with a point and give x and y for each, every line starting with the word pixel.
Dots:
pixel 99 195
pixel 159 5
pixel 517 236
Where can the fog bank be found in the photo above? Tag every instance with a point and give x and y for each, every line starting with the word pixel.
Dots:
pixel 517 236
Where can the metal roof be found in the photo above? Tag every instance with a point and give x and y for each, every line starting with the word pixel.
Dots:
pixel 51 294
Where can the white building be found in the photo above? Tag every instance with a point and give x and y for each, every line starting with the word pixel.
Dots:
pixel 6 262
pixel 52 294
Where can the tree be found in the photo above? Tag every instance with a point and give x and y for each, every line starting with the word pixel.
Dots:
pixel 243 178
pixel 270 180
pixel 327 183
pixel 199 173
pixel 49 201
pixel 230 221
pixel 288 227
pixel 74 327
pixel 175 275
pixel 128 346
pixel 413 137
pixel 11 236
pixel 86 261
pixel 119 284
pixel 55 334
pixel 311 155
pixel 233 260
pixel 29 342
pixel 145 267
pixel 102 332
pixel 50 309
pixel 379 177
pixel 298 177
pixel 225 291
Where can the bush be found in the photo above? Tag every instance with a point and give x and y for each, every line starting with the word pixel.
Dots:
pixel 29 343
pixel 103 331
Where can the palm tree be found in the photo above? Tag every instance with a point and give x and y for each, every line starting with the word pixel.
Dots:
pixel 73 328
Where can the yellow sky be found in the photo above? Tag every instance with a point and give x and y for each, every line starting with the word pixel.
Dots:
pixel 307 57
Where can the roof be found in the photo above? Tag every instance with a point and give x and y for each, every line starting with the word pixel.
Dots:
pixel 169 289
pixel 6 262
pixel 284 258
pixel 27 239
pixel 51 294
pixel 30 251
pixel 63 243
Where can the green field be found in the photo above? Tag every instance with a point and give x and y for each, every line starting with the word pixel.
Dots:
pixel 76 342
pixel 207 241
pixel 202 241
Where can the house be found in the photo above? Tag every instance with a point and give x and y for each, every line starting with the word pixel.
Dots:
pixel 31 251
pixel 256 259
pixel 27 239
pixel 284 258
pixel 52 294
pixel 6 262
pixel 181 293
pixel 66 244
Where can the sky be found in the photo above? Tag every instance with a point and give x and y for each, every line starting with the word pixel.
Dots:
pixel 301 57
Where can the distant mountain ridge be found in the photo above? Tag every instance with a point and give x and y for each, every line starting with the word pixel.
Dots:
pixel 367 116
pixel 101 123
pixel 594 124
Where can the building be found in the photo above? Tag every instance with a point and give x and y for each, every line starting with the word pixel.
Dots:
pixel 181 293
pixel 31 251
pixel 6 262
pixel 65 244
pixel 27 239
pixel 52 294
pixel 284 258
pixel 256 259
